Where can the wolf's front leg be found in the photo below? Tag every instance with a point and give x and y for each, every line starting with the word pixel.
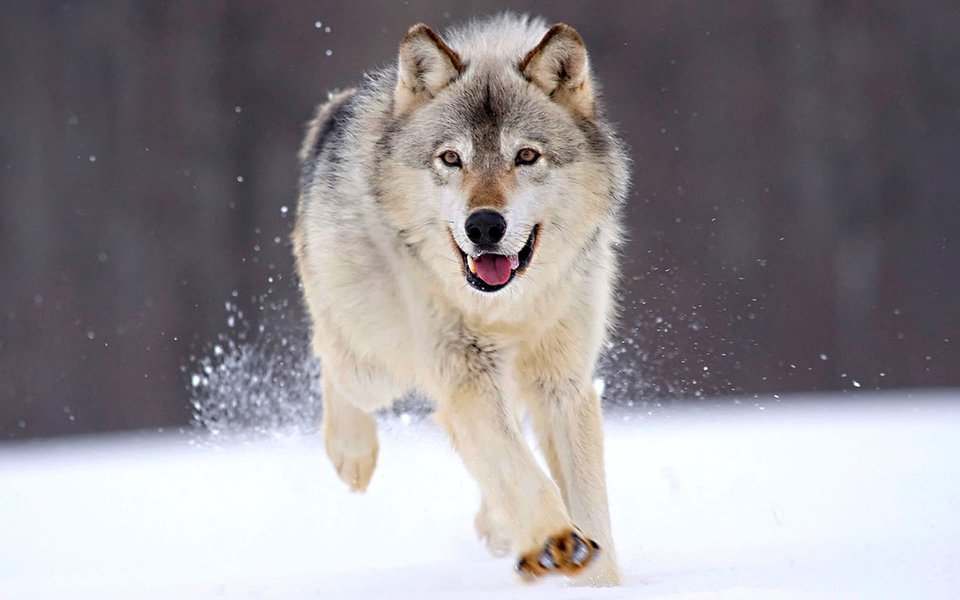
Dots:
pixel 568 423
pixel 494 451
pixel 349 433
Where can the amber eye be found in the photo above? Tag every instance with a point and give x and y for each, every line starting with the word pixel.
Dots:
pixel 527 156
pixel 451 159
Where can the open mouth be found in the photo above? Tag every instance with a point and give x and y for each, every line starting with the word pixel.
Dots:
pixel 489 272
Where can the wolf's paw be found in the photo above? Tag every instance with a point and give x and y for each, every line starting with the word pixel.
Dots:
pixel 568 553
pixel 355 470
pixel 491 533
pixel 354 455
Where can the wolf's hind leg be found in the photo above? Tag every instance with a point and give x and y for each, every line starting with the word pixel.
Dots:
pixel 349 432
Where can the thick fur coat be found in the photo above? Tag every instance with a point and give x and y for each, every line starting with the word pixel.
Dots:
pixel 456 234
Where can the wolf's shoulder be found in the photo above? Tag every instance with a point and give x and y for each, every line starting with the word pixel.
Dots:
pixel 328 121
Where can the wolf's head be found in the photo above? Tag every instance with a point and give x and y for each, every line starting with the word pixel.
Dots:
pixel 497 168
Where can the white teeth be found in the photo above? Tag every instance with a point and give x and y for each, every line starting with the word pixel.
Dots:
pixel 514 261
pixel 471 264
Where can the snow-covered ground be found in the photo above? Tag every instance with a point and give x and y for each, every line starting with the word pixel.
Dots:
pixel 818 497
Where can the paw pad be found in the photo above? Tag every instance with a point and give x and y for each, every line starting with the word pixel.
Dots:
pixel 567 553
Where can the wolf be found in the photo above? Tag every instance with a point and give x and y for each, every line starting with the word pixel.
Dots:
pixel 457 233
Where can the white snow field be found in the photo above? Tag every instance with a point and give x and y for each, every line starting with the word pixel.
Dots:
pixel 808 497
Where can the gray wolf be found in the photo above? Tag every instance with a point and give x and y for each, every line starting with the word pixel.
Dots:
pixel 457 234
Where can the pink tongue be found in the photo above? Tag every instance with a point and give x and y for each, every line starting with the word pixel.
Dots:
pixel 493 269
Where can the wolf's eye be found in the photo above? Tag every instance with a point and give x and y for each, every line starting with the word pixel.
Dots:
pixel 451 159
pixel 527 156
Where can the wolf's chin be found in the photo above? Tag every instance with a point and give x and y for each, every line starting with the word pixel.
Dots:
pixel 517 263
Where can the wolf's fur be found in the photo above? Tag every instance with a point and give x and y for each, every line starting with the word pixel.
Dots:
pixel 378 237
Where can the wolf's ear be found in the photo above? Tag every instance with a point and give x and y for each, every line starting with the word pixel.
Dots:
pixel 426 66
pixel 559 66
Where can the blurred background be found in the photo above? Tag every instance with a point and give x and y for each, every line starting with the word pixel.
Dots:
pixel 794 217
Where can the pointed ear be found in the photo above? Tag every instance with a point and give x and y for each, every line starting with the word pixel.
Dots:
pixel 559 66
pixel 426 66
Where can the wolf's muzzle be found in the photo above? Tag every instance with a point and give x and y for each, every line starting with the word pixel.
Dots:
pixel 491 272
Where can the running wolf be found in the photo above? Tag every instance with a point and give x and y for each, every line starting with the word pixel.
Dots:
pixel 457 234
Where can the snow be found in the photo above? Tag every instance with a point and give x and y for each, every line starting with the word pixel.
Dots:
pixel 813 497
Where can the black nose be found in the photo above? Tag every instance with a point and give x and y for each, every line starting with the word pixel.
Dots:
pixel 485 227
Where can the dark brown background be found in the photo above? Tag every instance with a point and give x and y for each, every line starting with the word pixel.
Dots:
pixel 796 189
